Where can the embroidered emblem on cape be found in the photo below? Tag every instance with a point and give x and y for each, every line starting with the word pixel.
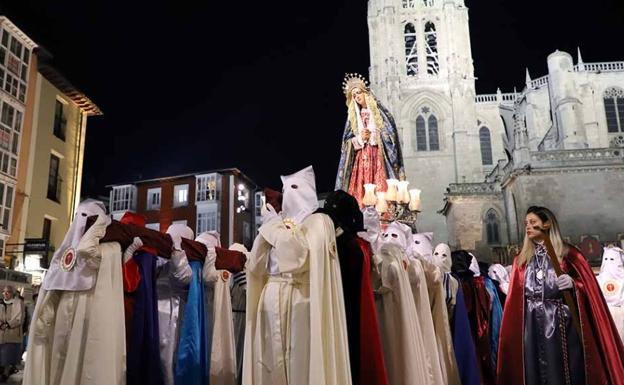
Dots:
pixel 68 260
pixel 611 288
pixel 225 275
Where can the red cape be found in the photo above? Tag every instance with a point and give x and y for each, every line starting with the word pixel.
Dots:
pixel 372 368
pixel 602 347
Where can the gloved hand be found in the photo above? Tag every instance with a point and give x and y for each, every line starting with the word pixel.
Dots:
pixel 132 248
pixel 267 213
pixel 177 241
pixel 565 282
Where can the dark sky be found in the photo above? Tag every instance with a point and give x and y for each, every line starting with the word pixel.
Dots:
pixel 256 84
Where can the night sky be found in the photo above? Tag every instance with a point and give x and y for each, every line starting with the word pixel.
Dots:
pixel 256 84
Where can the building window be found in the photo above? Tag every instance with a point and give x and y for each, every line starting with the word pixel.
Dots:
pixel 411 51
pixel 207 188
pixel 492 225
pixel 180 195
pixel 486 146
pixel 14 59
pixel 122 198
pixel 421 134
pixel 153 198
pixel 59 121
pixel 614 109
pixel 54 179
pixel 431 49
pixel 208 220
pixel 6 202
pixel 428 3
pixel 427 136
pixel 258 202
pixel 10 129
pixel 409 3
pixel 47 229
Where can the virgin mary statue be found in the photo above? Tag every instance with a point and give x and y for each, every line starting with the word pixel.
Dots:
pixel 371 152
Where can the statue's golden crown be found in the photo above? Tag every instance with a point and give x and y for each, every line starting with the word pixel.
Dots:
pixel 354 80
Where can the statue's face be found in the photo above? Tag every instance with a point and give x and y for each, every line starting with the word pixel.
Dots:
pixel 358 96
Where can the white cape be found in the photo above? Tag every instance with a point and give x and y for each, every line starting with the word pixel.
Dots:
pixel 307 289
pixel 404 349
pixel 78 337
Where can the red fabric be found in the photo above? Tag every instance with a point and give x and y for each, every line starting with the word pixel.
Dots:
pixel 602 347
pixel 274 198
pixel 478 305
pixel 130 218
pixel 230 260
pixel 368 167
pixel 372 368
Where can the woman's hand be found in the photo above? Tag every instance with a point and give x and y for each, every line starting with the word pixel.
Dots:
pixel 565 282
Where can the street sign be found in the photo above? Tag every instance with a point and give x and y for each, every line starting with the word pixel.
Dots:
pixel 36 245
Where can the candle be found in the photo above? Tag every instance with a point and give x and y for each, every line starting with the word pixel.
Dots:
pixel 402 194
pixel 369 195
pixel 391 194
pixel 414 204
pixel 382 206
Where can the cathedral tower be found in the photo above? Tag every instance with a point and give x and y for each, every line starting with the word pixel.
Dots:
pixel 421 68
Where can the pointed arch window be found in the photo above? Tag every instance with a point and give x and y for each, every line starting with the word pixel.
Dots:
pixel 432 129
pixel 614 109
pixel 411 51
pixel 428 3
pixel 409 3
pixel 431 49
pixel 486 145
pixel 427 136
pixel 492 227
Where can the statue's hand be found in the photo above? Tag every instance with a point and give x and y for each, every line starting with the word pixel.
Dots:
pixel 366 135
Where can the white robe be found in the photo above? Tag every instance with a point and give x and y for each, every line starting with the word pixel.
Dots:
pixel 78 337
pixel 439 312
pixel 420 291
pixel 223 352
pixel 296 325
pixel 402 338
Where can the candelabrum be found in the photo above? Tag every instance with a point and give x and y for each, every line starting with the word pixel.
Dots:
pixel 397 203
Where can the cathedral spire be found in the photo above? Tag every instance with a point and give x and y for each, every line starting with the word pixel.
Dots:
pixel 527 78
pixel 579 59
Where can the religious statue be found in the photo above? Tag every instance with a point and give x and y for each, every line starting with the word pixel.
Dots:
pixel 371 152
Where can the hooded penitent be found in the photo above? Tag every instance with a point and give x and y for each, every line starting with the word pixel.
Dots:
pixel 611 281
pixel 405 352
pixel 67 270
pixel 354 253
pixel 80 310
pixel 294 264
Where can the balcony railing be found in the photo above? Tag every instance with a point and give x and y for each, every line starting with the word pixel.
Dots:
pixel 614 66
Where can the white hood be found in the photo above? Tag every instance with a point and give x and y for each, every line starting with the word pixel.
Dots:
pixel 67 270
pixel 474 266
pixel 397 234
pixel 442 257
pixel 421 245
pixel 300 198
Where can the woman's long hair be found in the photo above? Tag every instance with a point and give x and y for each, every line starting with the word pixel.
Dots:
pixel 528 248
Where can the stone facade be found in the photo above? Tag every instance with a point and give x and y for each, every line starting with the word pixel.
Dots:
pixel 558 143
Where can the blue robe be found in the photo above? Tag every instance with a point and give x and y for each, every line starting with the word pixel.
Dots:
pixel 390 148
pixel 193 354
pixel 143 362
pixel 496 318
pixel 465 351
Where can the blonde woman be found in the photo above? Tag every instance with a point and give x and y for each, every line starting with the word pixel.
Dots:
pixel 539 343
